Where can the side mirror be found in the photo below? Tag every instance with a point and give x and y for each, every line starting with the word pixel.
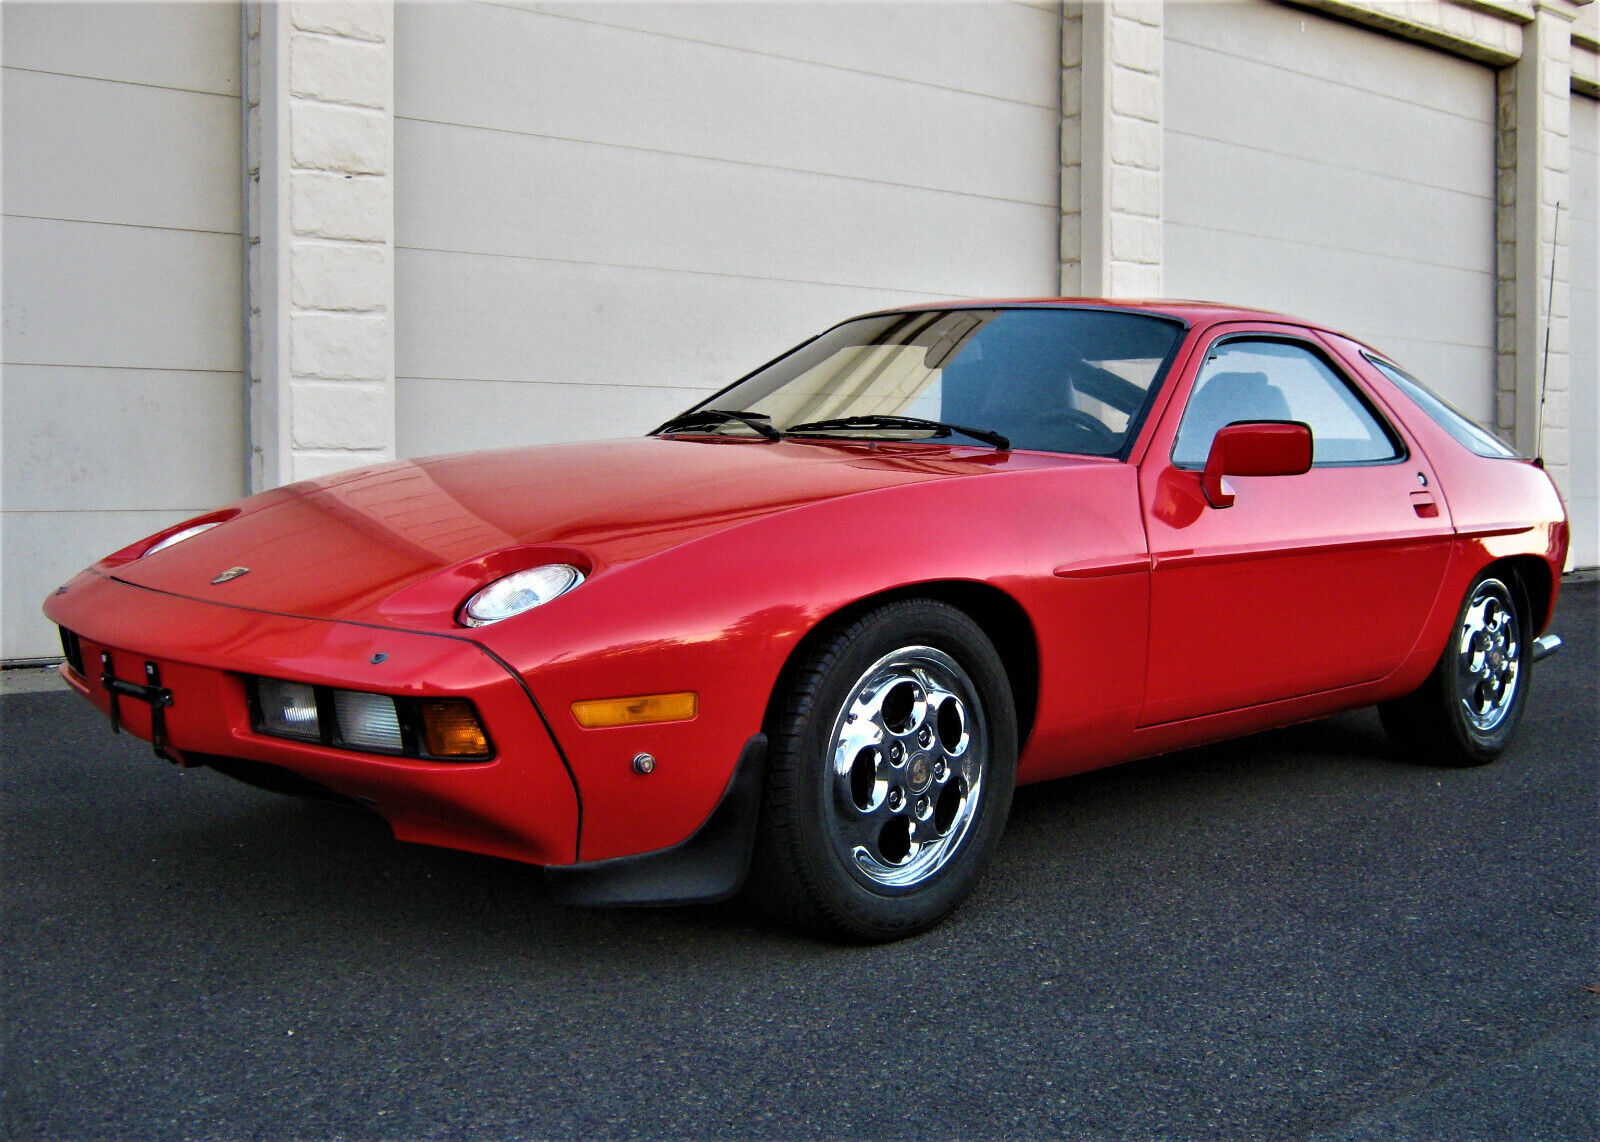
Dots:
pixel 1255 448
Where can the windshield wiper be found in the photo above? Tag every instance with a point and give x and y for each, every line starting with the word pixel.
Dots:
pixel 938 428
pixel 711 417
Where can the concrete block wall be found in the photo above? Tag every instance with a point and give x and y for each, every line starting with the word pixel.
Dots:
pixel 1534 305
pixel 1111 58
pixel 320 158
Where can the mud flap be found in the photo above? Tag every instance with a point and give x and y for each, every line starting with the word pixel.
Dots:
pixel 710 866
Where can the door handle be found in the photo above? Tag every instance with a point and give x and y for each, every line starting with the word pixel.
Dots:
pixel 1422 503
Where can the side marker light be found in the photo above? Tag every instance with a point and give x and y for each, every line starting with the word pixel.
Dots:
pixel 638 711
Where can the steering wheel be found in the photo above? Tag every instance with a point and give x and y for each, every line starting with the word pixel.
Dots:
pixel 1103 440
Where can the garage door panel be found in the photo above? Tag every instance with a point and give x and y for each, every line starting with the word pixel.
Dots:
pixel 1320 169
pixel 968 46
pixel 173 156
pixel 122 310
pixel 1345 289
pixel 471 317
pixel 1368 213
pixel 1456 372
pixel 1334 124
pixel 137 451
pixel 656 209
pixel 577 80
pixel 42 550
pixel 178 45
pixel 85 294
pixel 1338 54
pixel 523 196
pixel 446 413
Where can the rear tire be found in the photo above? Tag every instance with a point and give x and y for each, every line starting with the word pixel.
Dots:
pixel 1471 704
pixel 889 777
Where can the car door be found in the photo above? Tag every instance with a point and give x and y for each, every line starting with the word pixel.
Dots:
pixel 1306 583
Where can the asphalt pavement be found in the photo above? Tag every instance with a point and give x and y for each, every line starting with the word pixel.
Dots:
pixel 1292 936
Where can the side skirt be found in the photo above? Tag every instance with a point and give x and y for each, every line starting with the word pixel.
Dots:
pixel 710 866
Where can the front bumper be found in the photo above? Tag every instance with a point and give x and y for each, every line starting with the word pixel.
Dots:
pixel 521 804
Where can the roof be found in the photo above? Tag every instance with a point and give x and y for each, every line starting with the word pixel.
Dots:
pixel 1192 312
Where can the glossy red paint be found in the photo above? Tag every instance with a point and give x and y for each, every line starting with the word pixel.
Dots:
pixel 1140 618
pixel 519 805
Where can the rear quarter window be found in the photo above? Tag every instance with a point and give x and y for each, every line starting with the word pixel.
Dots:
pixel 1457 424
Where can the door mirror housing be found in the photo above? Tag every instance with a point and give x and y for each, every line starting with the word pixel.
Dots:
pixel 1254 448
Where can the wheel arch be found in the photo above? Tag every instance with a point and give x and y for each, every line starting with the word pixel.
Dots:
pixel 1533 578
pixel 1004 621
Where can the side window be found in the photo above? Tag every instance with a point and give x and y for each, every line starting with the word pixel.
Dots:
pixel 1279 380
pixel 1452 420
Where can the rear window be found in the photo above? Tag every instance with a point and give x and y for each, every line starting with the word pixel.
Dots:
pixel 1457 424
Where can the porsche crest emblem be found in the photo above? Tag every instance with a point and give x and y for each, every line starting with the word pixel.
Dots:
pixel 231 573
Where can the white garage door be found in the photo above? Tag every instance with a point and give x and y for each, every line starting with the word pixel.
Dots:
pixel 605 211
pixel 121 281
pixel 1334 173
pixel 1583 496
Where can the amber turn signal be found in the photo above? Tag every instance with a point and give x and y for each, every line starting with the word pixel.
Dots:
pixel 451 728
pixel 636 711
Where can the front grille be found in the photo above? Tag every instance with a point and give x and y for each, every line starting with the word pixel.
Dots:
pixel 72 650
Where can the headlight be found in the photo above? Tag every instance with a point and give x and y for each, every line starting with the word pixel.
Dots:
pixel 431 729
pixel 180 536
pixel 289 709
pixel 519 592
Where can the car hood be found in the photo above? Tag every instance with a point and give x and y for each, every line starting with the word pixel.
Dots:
pixel 404 543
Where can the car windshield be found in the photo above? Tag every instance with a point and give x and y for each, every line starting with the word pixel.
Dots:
pixel 1056 379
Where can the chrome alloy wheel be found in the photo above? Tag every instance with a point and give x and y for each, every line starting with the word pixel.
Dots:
pixel 1488 656
pixel 906 766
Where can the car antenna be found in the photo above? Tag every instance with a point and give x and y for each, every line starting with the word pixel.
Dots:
pixel 1549 312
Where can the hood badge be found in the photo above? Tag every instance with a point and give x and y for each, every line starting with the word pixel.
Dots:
pixel 230 573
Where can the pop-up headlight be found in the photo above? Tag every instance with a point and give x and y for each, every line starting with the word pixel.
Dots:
pixel 180 536
pixel 518 592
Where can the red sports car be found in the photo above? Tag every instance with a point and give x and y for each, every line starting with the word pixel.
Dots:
pixel 815 629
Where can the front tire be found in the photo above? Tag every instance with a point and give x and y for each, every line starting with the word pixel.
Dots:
pixel 890 774
pixel 1470 706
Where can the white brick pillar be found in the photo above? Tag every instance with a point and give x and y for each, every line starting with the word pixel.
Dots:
pixel 1534 175
pixel 319 154
pixel 1111 105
